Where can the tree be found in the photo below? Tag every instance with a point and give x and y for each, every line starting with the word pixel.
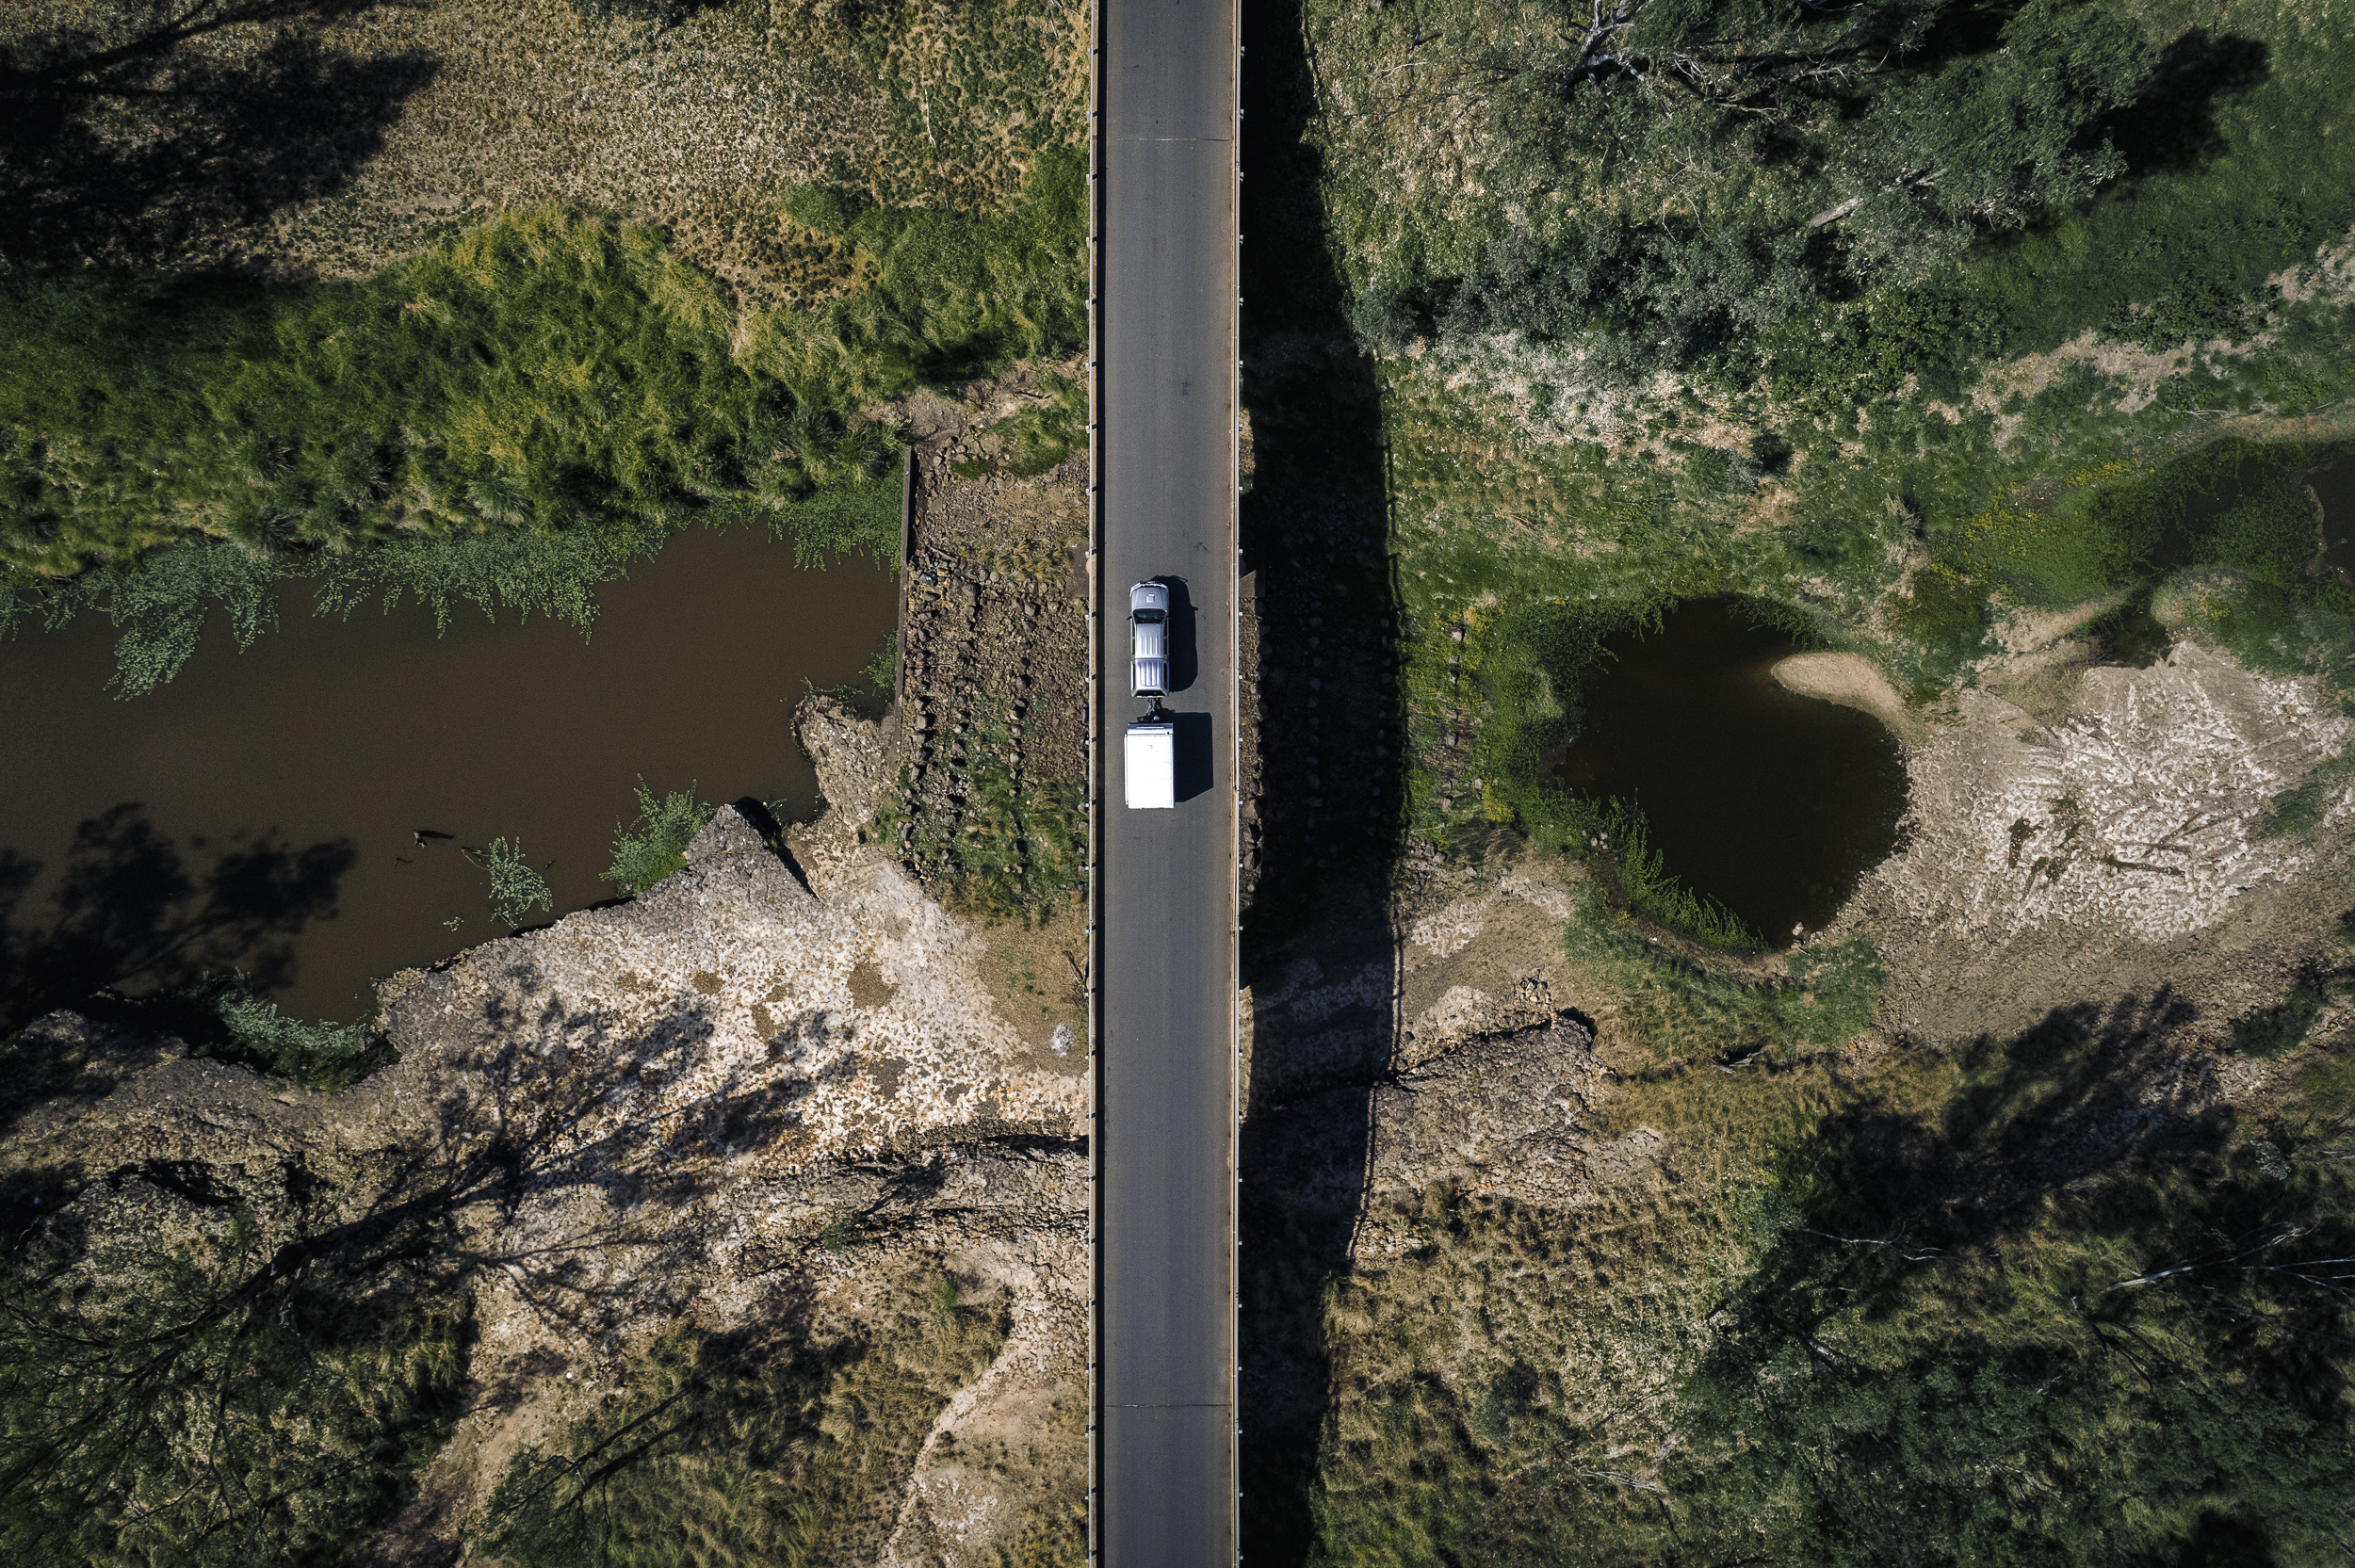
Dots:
pixel 1987 143
pixel 1756 56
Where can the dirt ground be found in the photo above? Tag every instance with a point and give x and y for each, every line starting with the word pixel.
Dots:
pixel 767 1050
pixel 769 1092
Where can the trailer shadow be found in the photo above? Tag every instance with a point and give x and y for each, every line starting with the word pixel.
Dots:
pixel 1194 762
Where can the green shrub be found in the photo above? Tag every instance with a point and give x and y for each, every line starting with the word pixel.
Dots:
pixel 654 846
pixel 517 887
pixel 883 672
pixel 221 1016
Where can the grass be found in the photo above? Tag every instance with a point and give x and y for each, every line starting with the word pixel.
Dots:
pixel 655 845
pixel 509 419
pixel 1646 885
pixel 1038 436
pixel 259 145
pixel 739 1451
pixel 1927 1308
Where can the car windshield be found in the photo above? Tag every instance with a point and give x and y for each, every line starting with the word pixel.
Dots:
pixel 1150 618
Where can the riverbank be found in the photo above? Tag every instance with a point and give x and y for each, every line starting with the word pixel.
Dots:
pixel 1851 681
pixel 762 1099
pixel 779 1100
pixel 264 809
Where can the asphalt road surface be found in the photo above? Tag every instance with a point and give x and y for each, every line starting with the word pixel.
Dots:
pixel 1165 1134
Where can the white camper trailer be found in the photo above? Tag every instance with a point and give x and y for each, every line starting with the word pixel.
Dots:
pixel 1150 763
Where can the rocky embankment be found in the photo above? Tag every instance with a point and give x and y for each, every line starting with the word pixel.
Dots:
pixel 992 729
pixel 769 1087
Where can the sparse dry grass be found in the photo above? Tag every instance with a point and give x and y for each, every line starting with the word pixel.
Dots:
pixel 703 127
pixel 787 1449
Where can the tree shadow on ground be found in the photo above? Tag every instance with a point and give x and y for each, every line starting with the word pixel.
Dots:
pixel 2172 126
pixel 2090 1086
pixel 131 908
pixel 149 136
pixel 2079 1238
pixel 1321 809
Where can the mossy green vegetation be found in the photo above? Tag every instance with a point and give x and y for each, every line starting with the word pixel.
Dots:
pixel 739 1451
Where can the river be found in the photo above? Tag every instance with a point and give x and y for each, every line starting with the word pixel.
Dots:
pixel 261 810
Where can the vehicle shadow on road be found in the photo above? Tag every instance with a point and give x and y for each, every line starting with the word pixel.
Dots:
pixel 1185 659
pixel 1196 764
pixel 1320 798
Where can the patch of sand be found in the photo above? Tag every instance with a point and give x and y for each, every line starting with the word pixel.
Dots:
pixel 1850 680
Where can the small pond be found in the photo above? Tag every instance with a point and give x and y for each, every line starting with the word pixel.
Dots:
pixel 261 809
pixel 1772 804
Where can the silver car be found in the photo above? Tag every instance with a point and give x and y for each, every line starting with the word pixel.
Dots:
pixel 1149 633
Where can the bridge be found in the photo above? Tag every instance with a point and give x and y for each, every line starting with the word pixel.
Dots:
pixel 1162 278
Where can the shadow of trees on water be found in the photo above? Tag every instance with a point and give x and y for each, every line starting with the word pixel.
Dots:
pixel 133 908
pixel 156 126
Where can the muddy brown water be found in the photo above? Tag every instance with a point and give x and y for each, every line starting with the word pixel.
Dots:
pixel 260 809
pixel 1770 802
